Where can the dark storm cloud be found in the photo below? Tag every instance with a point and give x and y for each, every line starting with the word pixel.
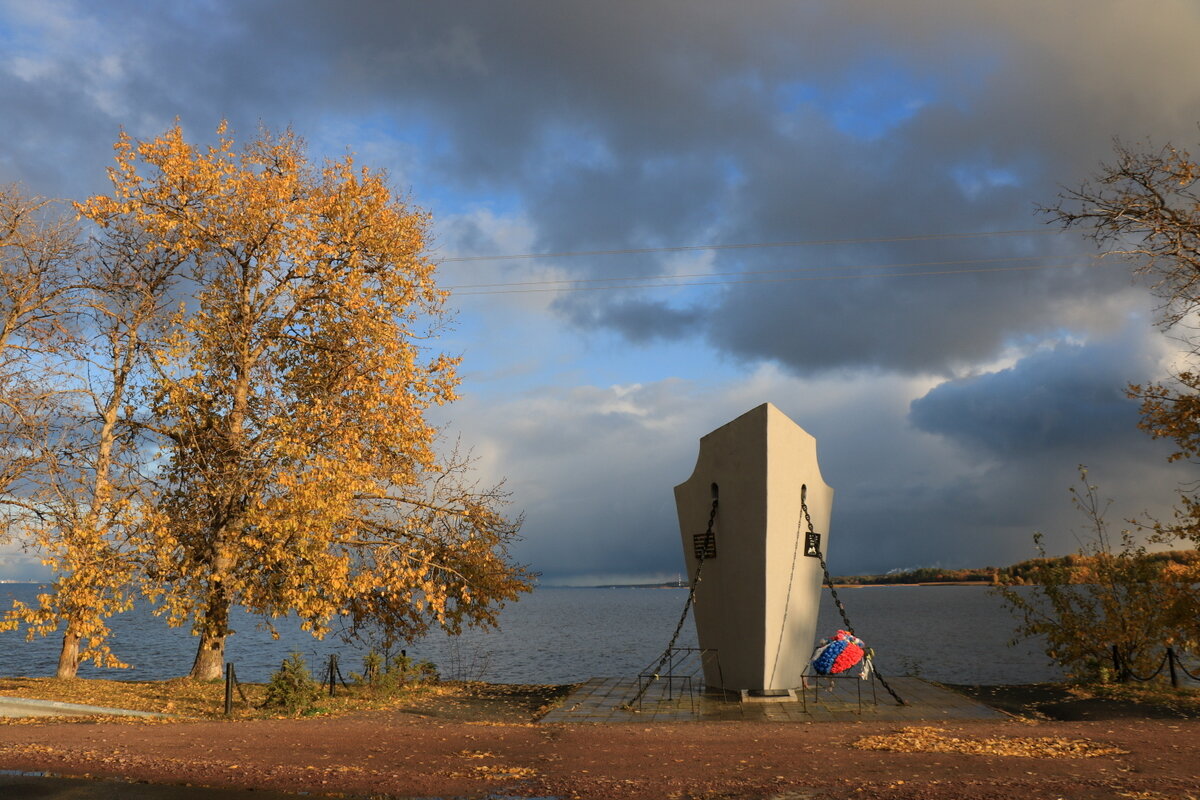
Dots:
pixel 672 123
pixel 655 123
pixel 72 76
pixel 929 323
pixel 1069 398
pixel 643 321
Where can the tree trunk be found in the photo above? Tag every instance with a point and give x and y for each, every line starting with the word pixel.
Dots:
pixel 210 658
pixel 68 657
pixel 210 653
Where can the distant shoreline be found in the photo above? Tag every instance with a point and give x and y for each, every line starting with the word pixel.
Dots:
pixel 667 585
pixel 836 585
pixel 923 583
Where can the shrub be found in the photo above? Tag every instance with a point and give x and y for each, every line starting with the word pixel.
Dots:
pixel 292 687
pixel 1116 599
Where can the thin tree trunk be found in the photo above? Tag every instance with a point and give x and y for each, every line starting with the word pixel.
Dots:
pixel 68 657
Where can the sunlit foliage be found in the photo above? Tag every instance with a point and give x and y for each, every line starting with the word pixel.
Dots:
pixel 70 314
pixel 300 473
pixel 221 402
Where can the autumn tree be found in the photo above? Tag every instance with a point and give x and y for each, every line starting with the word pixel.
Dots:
pixel 91 479
pixel 37 247
pixel 301 475
pixel 39 252
pixel 1111 611
pixel 1145 207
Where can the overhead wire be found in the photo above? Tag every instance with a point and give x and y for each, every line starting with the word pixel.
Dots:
pixel 677 276
pixel 680 280
pixel 751 245
pixel 633 283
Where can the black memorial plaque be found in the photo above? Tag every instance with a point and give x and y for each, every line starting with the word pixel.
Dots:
pixel 812 545
pixel 704 545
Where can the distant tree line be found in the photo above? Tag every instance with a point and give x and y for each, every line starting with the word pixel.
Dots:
pixel 1075 568
pixel 1081 568
pixel 922 575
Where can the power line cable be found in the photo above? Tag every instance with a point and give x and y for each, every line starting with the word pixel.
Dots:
pixel 745 272
pixel 751 245
pixel 929 273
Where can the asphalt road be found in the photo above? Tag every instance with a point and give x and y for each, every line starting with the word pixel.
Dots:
pixel 18 786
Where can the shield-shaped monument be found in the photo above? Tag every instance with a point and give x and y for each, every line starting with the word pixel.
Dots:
pixel 756 602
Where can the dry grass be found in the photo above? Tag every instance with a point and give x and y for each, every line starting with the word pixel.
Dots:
pixel 191 699
pixel 181 697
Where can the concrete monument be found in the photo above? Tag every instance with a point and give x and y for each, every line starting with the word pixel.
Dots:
pixel 756 603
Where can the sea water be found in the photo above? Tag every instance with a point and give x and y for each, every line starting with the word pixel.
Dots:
pixel 955 634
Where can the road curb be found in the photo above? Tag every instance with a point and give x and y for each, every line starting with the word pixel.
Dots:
pixel 29 707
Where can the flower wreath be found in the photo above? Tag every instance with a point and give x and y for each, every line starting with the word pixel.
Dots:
pixel 837 655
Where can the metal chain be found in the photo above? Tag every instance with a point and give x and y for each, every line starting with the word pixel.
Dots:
pixel 1179 663
pixel 687 606
pixel 1129 671
pixel 825 570
pixel 807 520
pixel 838 602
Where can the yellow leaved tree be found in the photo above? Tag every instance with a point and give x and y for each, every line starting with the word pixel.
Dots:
pixel 1112 612
pixel 82 492
pixel 299 472
pixel 37 249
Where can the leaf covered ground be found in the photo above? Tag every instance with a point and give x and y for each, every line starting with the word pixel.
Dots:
pixel 455 700
pixel 928 739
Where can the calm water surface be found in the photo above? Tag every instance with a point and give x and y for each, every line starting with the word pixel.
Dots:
pixel 956 634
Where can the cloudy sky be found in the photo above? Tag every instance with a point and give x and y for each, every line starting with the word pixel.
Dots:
pixel 830 206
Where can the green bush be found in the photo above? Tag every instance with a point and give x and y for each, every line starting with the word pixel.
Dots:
pixel 292 688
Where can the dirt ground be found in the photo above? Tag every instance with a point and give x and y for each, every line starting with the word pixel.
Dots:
pixel 486 746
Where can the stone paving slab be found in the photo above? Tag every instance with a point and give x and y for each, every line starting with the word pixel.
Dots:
pixel 605 700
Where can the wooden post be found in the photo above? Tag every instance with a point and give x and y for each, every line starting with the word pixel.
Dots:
pixel 332 669
pixel 228 688
pixel 1171 666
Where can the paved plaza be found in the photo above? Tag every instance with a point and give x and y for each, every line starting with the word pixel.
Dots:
pixel 602 700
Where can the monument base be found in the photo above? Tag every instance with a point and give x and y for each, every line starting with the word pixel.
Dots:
pixel 769 696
